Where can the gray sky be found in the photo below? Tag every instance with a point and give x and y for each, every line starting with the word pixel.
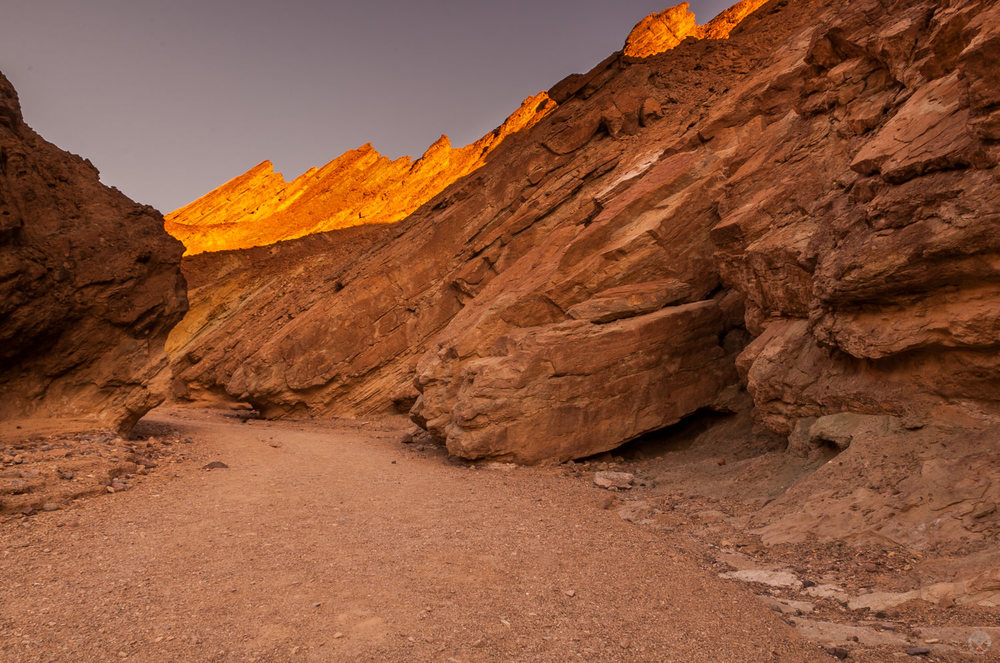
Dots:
pixel 170 98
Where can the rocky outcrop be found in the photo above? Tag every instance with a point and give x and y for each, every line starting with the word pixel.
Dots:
pixel 662 31
pixel 359 187
pixel 871 285
pixel 806 209
pixel 90 284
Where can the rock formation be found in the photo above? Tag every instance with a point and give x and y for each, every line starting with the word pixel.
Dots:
pixel 658 33
pixel 807 210
pixel 358 187
pixel 90 284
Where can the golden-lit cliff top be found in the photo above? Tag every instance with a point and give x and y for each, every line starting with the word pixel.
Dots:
pixel 360 186
pixel 665 30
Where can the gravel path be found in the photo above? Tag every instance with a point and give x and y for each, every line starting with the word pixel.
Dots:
pixel 332 541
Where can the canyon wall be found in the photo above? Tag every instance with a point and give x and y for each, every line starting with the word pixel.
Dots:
pixel 806 210
pixel 90 284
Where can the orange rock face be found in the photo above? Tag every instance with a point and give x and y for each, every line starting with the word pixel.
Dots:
pixel 663 31
pixel 358 187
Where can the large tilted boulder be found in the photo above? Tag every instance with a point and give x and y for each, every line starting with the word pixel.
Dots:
pixel 565 390
pixel 90 284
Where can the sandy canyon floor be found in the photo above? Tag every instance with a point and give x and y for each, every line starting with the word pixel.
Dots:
pixel 332 541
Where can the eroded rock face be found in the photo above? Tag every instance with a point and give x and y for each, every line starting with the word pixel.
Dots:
pixel 872 284
pixel 577 233
pixel 359 187
pixel 90 284
pixel 809 206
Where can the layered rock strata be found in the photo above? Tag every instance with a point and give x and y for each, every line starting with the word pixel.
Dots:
pixel 807 209
pixel 90 284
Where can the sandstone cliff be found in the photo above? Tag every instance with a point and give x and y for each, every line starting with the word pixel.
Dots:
pixel 359 187
pixel 807 210
pixel 90 284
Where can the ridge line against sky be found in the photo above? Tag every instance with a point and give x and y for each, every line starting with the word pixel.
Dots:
pixel 171 98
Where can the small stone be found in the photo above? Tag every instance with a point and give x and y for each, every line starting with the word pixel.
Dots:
pixel 50 506
pixel 838 652
pixel 570 592
pixel 110 489
pixel 932 641
pixel 806 584
pixel 215 465
pixel 419 447
pixel 66 475
pixel 407 439
pixel 317 604
pixel 617 480
pixel 607 502
pixel 18 459
pixel 720 462
pixel 918 651
pixel 338 635
pixel 984 510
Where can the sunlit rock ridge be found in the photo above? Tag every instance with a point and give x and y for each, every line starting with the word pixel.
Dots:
pixel 664 30
pixel 359 187
pixel 362 186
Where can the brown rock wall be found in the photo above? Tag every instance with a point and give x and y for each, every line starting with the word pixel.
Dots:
pixel 90 285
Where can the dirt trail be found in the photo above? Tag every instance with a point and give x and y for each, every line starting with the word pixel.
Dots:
pixel 333 542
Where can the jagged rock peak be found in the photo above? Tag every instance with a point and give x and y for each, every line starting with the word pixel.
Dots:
pixel 360 186
pixel 664 30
